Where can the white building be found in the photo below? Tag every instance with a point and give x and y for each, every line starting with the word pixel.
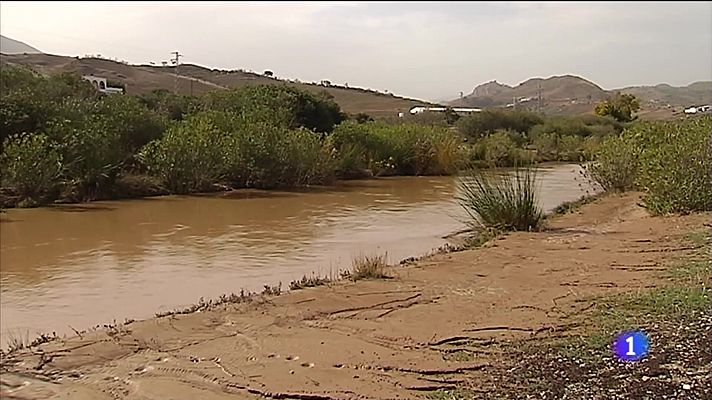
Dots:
pixel 464 110
pixel 697 109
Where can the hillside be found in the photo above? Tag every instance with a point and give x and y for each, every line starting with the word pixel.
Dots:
pixel 194 79
pixel 12 46
pixel 570 95
pixel 694 94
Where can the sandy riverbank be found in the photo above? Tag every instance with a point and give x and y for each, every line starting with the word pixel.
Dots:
pixel 369 339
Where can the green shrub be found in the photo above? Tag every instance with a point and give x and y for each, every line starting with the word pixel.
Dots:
pixel 133 122
pixel 135 185
pixel 189 157
pixel 31 165
pixel 362 118
pixel 405 149
pixel 582 126
pixel 570 148
pixel 616 164
pixel 171 106
pixel 214 147
pixel 480 124
pixel 500 202
pixel 278 105
pixel 28 101
pixel 268 156
pixel 669 161
pixel 546 145
pixel 500 150
pixel 91 150
pixel 674 164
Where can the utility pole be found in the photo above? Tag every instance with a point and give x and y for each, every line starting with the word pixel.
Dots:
pixel 176 61
pixel 538 104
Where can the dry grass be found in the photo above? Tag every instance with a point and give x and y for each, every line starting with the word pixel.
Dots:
pixel 369 267
pixel 17 341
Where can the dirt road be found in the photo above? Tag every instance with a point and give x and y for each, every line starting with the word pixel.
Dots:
pixel 382 339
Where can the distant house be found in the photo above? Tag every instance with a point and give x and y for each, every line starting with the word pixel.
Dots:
pixel 697 109
pixel 101 84
pixel 459 110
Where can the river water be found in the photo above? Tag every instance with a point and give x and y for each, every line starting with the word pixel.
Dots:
pixel 88 264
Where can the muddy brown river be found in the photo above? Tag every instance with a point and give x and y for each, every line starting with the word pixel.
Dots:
pixel 82 265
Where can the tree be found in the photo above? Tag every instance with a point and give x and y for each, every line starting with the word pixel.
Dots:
pixel 268 73
pixel 451 116
pixel 621 107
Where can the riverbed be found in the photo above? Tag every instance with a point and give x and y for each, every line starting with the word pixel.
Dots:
pixel 75 266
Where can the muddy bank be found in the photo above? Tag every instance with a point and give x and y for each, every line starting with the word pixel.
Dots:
pixel 384 339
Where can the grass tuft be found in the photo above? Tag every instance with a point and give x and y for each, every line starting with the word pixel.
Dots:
pixel 500 203
pixel 368 267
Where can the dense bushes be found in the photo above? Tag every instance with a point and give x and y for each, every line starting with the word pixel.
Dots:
pixel 482 123
pixel 674 164
pixel 505 138
pixel 207 149
pixel 64 140
pixel 188 158
pixel 31 165
pixel 499 149
pixel 98 145
pixel 28 102
pixel 282 105
pixel 669 161
pixel 405 149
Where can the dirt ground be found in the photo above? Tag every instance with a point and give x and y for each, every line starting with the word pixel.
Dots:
pixel 384 339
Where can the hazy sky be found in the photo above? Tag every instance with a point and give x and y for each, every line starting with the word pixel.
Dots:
pixel 426 50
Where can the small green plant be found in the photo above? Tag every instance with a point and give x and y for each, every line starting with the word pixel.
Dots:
pixel 500 202
pixel 451 394
pixel 272 290
pixel 368 267
pixel 308 281
pixel 573 206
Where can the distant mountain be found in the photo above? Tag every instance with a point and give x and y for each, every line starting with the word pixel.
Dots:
pixel 553 91
pixel 12 46
pixel 569 94
pixel 697 93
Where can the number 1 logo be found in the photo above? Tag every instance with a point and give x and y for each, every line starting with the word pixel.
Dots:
pixel 631 345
